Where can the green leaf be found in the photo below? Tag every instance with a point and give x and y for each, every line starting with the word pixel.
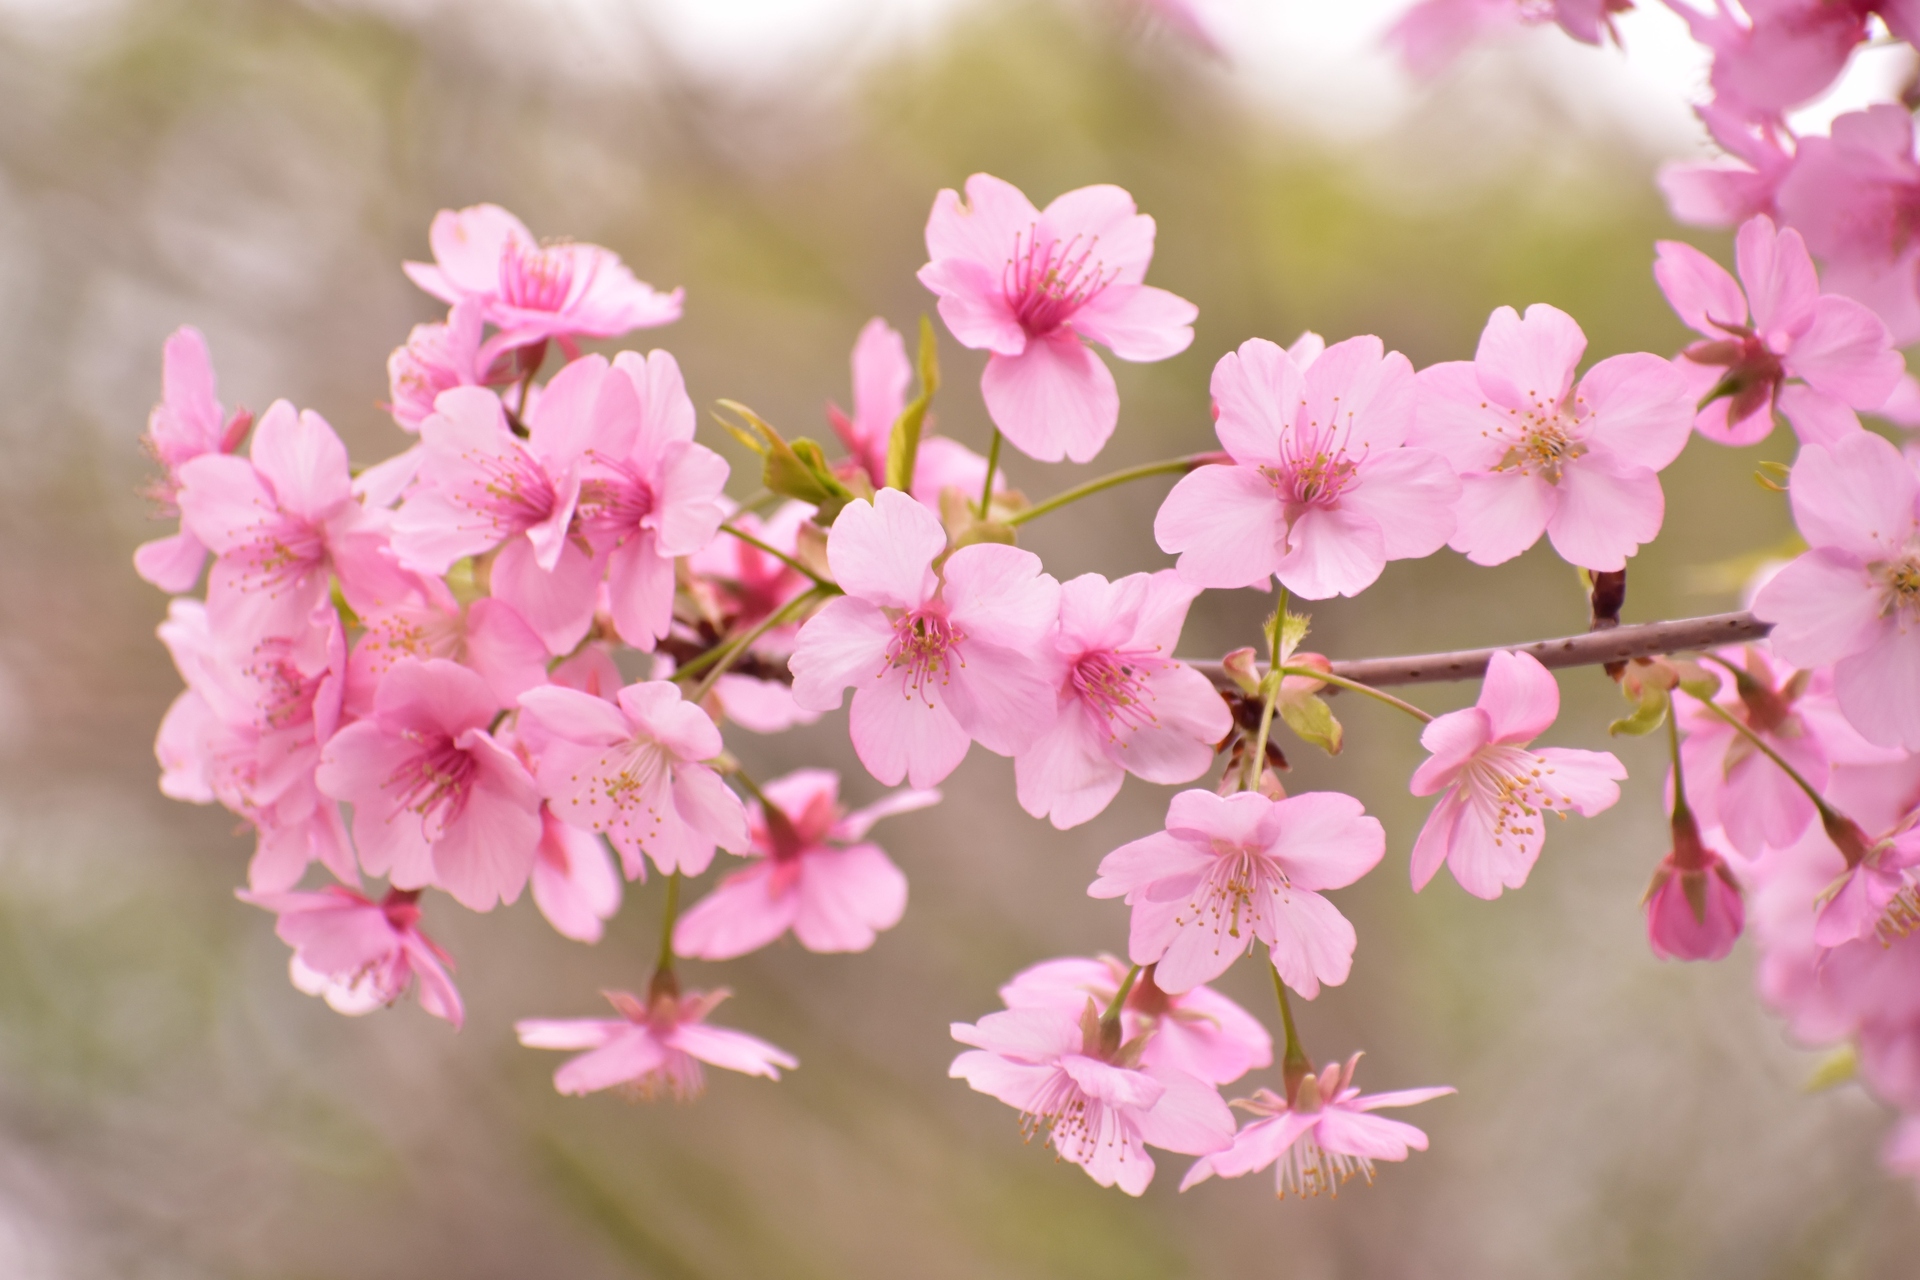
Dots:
pixel 797 470
pixel 903 446
pixel 1293 629
pixel 1648 716
pixel 1309 716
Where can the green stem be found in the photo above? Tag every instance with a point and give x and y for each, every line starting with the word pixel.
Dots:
pixel 1357 687
pixel 993 465
pixel 1295 1065
pixel 1681 810
pixel 723 656
pixel 1257 762
pixel 1120 997
pixel 1828 814
pixel 776 553
pixel 665 963
pixel 1172 466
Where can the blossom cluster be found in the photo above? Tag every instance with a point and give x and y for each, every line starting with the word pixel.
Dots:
pixel 505 658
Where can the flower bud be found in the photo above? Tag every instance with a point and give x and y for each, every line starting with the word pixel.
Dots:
pixel 1694 908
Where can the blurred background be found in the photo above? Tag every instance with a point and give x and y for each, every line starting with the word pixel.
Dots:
pixel 171 1107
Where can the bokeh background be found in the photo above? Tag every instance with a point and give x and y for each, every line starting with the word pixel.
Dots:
pixel 171 1107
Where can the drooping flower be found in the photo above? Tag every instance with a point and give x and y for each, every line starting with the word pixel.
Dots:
pixel 631 769
pixel 1538 454
pixel 1230 871
pixel 1853 599
pixel 1199 1031
pixel 1125 705
pixel 1489 826
pixel 813 872
pixel 436 799
pixel 573 880
pixel 1431 34
pixel 1321 1137
pixel 1835 348
pixel 360 955
pixel 654 1044
pixel 1693 904
pixel 1034 287
pixel 435 358
pixel 280 522
pixel 532 291
pixel 187 423
pixel 880 377
pixel 1098 1107
pixel 937 659
pixel 1322 490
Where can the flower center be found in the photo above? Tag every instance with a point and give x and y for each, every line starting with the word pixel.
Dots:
pixel 612 506
pixel 285 692
pixel 923 643
pixel 1903 587
pixel 1046 283
pixel 534 278
pixel 1077 1125
pixel 435 781
pixel 1307 1169
pixel 513 493
pixel 1113 683
pixel 1516 785
pixel 281 553
pixel 1540 442
pixel 1230 893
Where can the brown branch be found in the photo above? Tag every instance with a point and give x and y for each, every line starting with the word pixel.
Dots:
pixel 1641 640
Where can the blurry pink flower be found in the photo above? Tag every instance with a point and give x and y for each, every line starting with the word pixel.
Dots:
pixel 358 954
pixel 1199 1031
pixel 1854 196
pixel 1694 908
pixel 1877 896
pixel 1098 1110
pixel 1321 491
pixel 1231 870
pixel 1537 454
pixel 1779 54
pixel 1837 347
pixel 486 635
pixel 186 424
pixel 937 659
pixel 1727 193
pixel 737 586
pixel 1125 704
pixel 1030 286
pixel 880 377
pixel 1433 33
pixel 532 291
pixel 281 523
pixel 1853 599
pixel 814 873
pixel 1321 1138
pixel 1489 826
pixel 573 880
pixel 436 800
pixel 652 1044
pixel 631 769
pixel 435 358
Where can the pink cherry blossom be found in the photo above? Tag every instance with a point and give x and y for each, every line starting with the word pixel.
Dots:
pixel 813 872
pixel 631 769
pixel 1836 348
pixel 881 375
pixel 1726 193
pixel 1322 490
pixel 1693 905
pixel 1878 895
pixel 487 635
pixel 281 523
pixel 1854 195
pixel 1096 1109
pixel 186 424
pixel 1853 599
pixel 1231 870
pixel 1125 705
pixel 436 358
pixel 532 291
pixel 1778 54
pixel 1491 821
pixel 573 880
pixel 1538 454
pixel 653 1044
pixel 1199 1031
pixel 938 659
pixel 1431 34
pixel 360 955
pixel 436 799
pixel 1320 1138
pixel 1034 287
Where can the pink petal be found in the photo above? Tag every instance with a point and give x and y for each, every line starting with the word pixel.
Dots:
pixel 628 1056
pixel 1857 495
pixel 1519 697
pixel 843 644
pixel 303 460
pixel 1484 863
pixel 1105 215
pixel 1879 687
pixel 1189 1117
pixel 1501 514
pixel 1371 1137
pixel 1411 495
pixel 1312 942
pixel 1778 275
pixel 1137 321
pixel 1845 353
pixel 568 1033
pixel 882 551
pixel 1027 1035
pixel 1064 776
pixel 1256 393
pixel 1638 409
pixel 574 883
pixel 1698 288
pixel 706 804
pixel 973 302
pixel 1453 417
pixel 504 650
pixel 982 229
pixel 487 851
pixel 1524 362
pixel 1605 515
pixel 640 589
pixel 1332 551
pixel 1226 525
pixel 557 605
pixel 1363 391
pixel 576 716
pixel 172 564
pixel 999 594
pixel 1587 780
pixel 881 375
pixel 742 914
pixel 733 1050
pixel 1815 418
pixel 1452 739
pixel 1323 839
pixel 1436 837
pixel 847 896
pixel 1824 606
pixel 1055 400
pixel 898 735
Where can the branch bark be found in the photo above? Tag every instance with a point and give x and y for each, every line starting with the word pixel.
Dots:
pixel 1590 648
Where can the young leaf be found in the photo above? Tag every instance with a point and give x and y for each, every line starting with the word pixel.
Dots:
pixel 903 446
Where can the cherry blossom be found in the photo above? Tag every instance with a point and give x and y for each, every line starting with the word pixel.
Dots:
pixel 1230 871
pixel 1198 1031
pixel 1693 905
pixel 360 955
pixel 1097 1108
pixel 1033 287
pixel 187 423
pixel 1727 193
pixel 1321 1137
pixel 1491 821
pixel 1853 600
pixel 1431 34
pixel 938 659
pixel 813 872
pixel 1125 705
pixel 881 374
pixel 436 799
pixel 435 358
pixel 631 769
pixel 1837 347
pixel 1778 54
pixel 654 1044
pixel 573 880
pixel 532 291
pixel 1321 491
pixel 1538 454
pixel 487 635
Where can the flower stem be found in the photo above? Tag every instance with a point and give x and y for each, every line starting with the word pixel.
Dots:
pixel 993 465
pixel 1295 1065
pixel 776 553
pixel 665 963
pixel 1682 812
pixel 1357 687
pixel 1172 466
pixel 1119 1000
pixel 717 660
pixel 1827 812
pixel 1270 694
